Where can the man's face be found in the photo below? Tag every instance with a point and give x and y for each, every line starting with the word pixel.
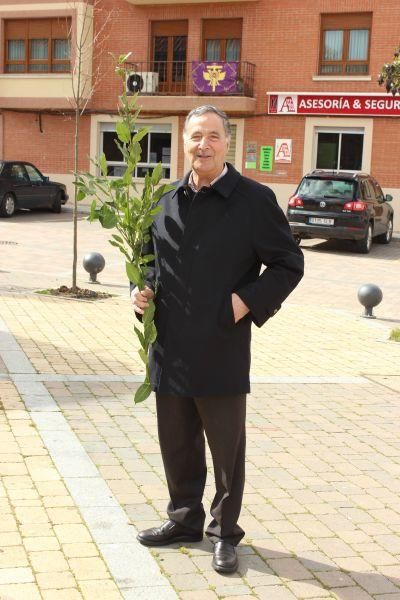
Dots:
pixel 206 145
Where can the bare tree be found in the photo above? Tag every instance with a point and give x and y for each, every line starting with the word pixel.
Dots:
pixel 87 48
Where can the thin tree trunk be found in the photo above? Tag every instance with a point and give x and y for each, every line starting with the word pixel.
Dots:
pixel 76 151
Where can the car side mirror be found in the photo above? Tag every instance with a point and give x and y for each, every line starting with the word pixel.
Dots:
pixel 388 198
pixel 46 179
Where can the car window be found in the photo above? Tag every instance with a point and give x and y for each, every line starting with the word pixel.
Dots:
pixel 18 173
pixel 326 187
pixel 364 190
pixel 378 190
pixel 370 192
pixel 33 173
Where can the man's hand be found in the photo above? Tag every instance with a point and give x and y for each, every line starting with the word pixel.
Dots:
pixel 240 309
pixel 140 299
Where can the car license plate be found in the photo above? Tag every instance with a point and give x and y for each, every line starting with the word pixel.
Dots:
pixel 321 221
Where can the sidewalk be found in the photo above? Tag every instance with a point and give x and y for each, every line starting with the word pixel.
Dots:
pixel 81 471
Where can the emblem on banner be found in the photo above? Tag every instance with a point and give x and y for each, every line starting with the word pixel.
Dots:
pixel 214 75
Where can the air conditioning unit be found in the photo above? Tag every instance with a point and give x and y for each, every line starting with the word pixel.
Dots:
pixel 145 82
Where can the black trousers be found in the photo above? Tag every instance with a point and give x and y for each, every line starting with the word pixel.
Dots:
pixel 182 422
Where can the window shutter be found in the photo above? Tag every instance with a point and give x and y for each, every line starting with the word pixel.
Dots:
pixel 16 30
pixel 220 29
pixel 39 29
pixel 61 28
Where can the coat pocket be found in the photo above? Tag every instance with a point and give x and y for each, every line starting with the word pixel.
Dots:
pixel 227 318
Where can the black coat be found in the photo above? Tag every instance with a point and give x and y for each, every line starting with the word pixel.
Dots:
pixel 207 246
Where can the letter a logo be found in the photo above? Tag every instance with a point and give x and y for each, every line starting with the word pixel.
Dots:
pixel 288 105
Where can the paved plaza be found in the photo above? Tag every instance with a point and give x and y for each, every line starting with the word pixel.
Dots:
pixel 80 469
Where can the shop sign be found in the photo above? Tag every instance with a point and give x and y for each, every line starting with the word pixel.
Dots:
pixel 266 156
pixel 251 155
pixel 378 105
pixel 283 151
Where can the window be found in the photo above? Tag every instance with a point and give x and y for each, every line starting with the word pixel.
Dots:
pixel 340 149
pixel 156 147
pixel 378 190
pixel 345 40
pixel 222 39
pixel 311 187
pixel 34 174
pixel 18 173
pixel 37 45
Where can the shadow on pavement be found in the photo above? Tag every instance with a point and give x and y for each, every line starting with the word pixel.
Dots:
pixel 346 247
pixel 44 216
pixel 327 575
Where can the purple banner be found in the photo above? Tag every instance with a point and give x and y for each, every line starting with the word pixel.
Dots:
pixel 213 77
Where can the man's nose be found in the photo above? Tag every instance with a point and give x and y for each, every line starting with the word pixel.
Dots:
pixel 203 143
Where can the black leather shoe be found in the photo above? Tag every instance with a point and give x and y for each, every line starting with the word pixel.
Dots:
pixel 225 558
pixel 168 533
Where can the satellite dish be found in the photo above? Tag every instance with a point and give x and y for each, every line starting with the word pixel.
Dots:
pixel 134 83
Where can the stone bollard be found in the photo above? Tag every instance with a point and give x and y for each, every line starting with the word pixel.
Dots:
pixel 93 263
pixel 369 295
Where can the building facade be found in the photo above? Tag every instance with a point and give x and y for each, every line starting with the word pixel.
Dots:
pixel 298 79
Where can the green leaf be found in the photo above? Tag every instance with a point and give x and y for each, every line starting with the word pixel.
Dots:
pixel 123 58
pixel 81 195
pixel 151 333
pixel 142 392
pixel 127 178
pixel 143 356
pixel 147 221
pixel 148 258
pixel 118 238
pixel 134 274
pixel 156 210
pixel 103 165
pixel 123 132
pixel 107 217
pixel 156 174
pixel 140 336
pixel 139 135
pixel 149 313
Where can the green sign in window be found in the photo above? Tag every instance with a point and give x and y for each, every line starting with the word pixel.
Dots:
pixel 266 155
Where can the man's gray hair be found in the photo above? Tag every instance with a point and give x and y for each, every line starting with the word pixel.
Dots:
pixel 209 108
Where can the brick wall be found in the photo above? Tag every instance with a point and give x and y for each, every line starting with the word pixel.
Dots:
pixel 51 149
pixel 280 36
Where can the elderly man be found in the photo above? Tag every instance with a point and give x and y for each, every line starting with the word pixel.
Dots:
pixel 214 233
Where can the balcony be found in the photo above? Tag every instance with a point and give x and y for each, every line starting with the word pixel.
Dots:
pixel 42 91
pixel 229 85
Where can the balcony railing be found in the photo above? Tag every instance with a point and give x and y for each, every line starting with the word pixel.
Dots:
pixel 199 78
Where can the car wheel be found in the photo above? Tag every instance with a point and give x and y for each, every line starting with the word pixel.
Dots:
pixel 385 238
pixel 56 206
pixel 8 206
pixel 365 244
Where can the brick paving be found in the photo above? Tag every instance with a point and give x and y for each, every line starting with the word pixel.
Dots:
pixel 80 466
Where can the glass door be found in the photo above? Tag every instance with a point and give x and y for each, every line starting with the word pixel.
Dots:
pixel 169 53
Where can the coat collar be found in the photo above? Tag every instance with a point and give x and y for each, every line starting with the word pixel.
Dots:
pixel 223 186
